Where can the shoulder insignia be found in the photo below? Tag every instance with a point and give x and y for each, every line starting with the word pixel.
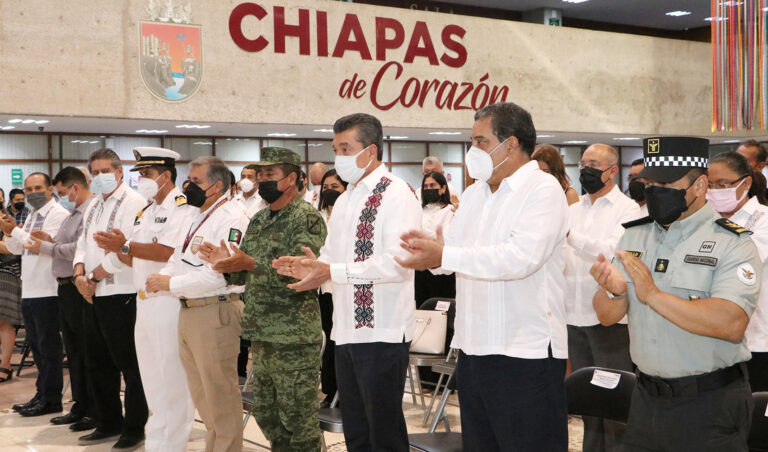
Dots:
pixel 637 254
pixel 638 222
pixel 732 227
pixel 141 212
pixel 314 224
pixel 181 200
pixel 235 235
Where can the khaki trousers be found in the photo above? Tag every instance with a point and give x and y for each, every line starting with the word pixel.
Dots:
pixel 209 341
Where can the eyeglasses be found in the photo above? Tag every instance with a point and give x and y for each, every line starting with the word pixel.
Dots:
pixel 725 185
pixel 593 165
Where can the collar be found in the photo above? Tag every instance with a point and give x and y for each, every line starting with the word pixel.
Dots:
pixel 170 198
pixel 611 197
pixel 85 204
pixel 688 226
pixel 121 187
pixel 750 207
pixel 44 210
pixel 370 181
pixel 215 203
pixel 519 177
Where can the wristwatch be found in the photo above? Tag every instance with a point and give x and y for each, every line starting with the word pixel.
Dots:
pixel 93 278
pixel 613 296
pixel 126 248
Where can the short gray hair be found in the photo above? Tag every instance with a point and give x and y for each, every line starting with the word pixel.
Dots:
pixel 217 171
pixel 105 154
pixel 432 160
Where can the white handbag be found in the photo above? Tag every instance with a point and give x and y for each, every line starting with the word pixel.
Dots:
pixel 430 332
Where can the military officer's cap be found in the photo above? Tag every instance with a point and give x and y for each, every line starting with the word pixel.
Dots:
pixel 147 156
pixel 275 155
pixel 668 159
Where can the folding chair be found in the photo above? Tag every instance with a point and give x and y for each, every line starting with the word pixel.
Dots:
pixel 586 398
pixel 758 434
pixel 26 348
pixel 443 441
pixel 330 420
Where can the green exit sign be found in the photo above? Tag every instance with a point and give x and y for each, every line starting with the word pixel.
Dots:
pixel 16 176
pixel 553 21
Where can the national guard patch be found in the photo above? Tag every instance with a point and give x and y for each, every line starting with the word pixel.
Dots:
pixel 731 226
pixel 661 265
pixel 707 247
pixel 181 200
pixel 235 235
pixel 637 254
pixel 314 225
pixel 746 273
pixel 701 260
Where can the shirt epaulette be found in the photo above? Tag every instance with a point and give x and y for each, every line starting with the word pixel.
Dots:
pixel 638 222
pixel 181 200
pixel 732 227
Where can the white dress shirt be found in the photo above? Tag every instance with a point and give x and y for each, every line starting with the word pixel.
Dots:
pixel 192 277
pixel 37 280
pixel 434 215
pixel 754 216
pixel 392 306
pixel 595 229
pixel 122 217
pixel 313 196
pixel 508 252
pixel 251 205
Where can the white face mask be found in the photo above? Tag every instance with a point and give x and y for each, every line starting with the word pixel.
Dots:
pixel 480 164
pixel 347 169
pixel 104 183
pixel 724 200
pixel 246 185
pixel 148 188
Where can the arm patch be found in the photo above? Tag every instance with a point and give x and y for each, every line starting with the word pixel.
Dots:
pixel 235 235
pixel 314 224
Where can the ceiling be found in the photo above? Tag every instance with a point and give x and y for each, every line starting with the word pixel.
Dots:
pixel 639 13
pixel 111 126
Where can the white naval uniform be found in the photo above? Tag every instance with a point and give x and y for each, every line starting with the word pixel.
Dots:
pixel 157 330
pixel 251 205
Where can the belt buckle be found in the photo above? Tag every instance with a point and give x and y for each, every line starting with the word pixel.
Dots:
pixel 223 298
pixel 184 303
pixel 665 388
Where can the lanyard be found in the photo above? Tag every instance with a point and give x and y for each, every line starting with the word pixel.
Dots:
pixel 192 233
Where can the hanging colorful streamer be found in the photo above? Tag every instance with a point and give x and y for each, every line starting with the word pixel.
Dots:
pixel 739 65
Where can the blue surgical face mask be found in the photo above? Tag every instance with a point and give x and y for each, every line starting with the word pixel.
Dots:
pixel 67 204
pixel 104 184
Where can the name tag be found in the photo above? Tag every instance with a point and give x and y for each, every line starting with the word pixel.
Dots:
pixel 700 260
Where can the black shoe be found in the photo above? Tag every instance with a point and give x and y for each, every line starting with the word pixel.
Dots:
pixel 83 424
pixel 128 442
pixel 41 409
pixel 69 418
pixel 97 436
pixel 21 406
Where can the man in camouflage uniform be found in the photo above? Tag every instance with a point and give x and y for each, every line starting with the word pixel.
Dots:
pixel 283 325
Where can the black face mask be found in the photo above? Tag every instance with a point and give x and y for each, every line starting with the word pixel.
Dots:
pixel 665 205
pixel 637 191
pixel 19 206
pixel 269 192
pixel 591 179
pixel 196 196
pixel 329 197
pixel 429 195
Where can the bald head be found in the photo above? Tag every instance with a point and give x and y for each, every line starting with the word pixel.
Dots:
pixel 317 172
pixel 604 158
pixel 604 153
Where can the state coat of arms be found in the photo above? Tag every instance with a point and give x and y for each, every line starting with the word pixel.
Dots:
pixel 170 51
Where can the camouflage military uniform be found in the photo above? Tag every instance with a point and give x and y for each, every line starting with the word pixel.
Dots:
pixel 283 325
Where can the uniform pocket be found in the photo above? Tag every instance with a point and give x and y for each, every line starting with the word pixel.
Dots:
pixel 693 283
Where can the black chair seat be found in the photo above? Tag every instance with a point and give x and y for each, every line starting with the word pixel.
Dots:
pixel 330 420
pixel 587 399
pixel 435 442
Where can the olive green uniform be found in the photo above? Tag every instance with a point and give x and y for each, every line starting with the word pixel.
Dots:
pixel 692 394
pixel 284 327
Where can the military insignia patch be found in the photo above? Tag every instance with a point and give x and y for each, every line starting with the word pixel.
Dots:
pixel 731 226
pixel 707 247
pixel 746 273
pixel 196 242
pixel 654 146
pixel 314 225
pixel 661 265
pixel 181 200
pixel 701 260
pixel 161 219
pixel 634 253
pixel 235 235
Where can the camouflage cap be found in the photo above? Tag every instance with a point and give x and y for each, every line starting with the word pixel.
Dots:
pixel 275 155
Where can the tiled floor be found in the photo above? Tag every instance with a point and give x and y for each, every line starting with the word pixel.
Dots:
pixel 37 434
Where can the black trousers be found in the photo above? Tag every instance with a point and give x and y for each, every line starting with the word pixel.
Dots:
pixel 110 350
pixel 71 305
pixel 711 421
pixel 328 364
pixel 426 286
pixel 371 379
pixel 512 404
pixel 41 321
pixel 758 371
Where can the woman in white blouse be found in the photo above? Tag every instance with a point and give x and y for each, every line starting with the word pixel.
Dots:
pixel 436 211
pixel 734 193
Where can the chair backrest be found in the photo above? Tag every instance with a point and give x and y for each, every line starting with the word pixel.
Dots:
pixel 758 434
pixel 431 304
pixel 586 398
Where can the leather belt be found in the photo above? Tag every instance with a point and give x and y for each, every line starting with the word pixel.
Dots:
pixel 692 385
pixel 65 281
pixel 205 301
